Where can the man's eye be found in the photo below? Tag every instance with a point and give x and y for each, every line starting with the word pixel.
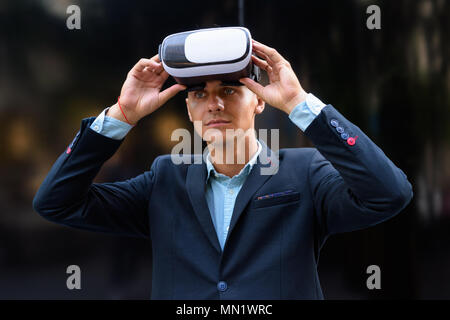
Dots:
pixel 228 91
pixel 199 94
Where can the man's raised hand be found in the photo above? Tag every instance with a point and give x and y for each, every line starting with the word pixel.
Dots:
pixel 141 92
pixel 284 91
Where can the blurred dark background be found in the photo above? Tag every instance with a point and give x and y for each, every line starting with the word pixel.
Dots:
pixel 393 83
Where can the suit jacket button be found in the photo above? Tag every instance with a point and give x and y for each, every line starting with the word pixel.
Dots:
pixel 340 129
pixel 344 135
pixel 334 123
pixel 351 141
pixel 222 286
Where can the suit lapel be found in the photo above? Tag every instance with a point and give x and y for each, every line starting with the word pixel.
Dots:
pixel 266 166
pixel 195 186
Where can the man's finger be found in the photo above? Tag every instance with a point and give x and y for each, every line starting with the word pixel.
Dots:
pixel 144 62
pixel 155 58
pixel 165 95
pixel 263 65
pixel 265 56
pixel 271 53
pixel 260 63
pixel 141 64
pixel 261 54
pixel 253 86
pixel 155 67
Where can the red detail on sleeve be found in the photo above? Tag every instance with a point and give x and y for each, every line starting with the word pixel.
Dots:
pixel 68 150
pixel 351 141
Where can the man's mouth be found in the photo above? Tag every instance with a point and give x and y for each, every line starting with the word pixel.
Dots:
pixel 217 123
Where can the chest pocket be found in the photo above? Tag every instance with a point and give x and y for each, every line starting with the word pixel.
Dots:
pixel 288 198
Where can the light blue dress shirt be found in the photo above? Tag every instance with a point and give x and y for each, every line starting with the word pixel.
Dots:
pixel 221 191
pixel 110 127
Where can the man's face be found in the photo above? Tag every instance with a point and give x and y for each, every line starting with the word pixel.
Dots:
pixel 222 107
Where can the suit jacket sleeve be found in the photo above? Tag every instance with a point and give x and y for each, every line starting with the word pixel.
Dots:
pixel 67 195
pixel 353 186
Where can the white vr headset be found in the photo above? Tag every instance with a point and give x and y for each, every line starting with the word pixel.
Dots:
pixel 194 57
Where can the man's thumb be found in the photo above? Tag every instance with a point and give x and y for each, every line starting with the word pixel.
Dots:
pixel 253 86
pixel 165 95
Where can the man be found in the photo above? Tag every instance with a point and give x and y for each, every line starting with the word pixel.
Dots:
pixel 223 230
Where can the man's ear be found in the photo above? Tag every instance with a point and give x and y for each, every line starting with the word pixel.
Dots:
pixel 260 106
pixel 187 107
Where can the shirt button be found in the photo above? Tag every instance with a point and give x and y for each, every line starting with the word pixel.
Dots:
pixel 222 286
pixel 230 191
pixel 96 127
pixel 334 123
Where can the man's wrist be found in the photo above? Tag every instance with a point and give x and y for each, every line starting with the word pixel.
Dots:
pixel 115 112
pixel 299 98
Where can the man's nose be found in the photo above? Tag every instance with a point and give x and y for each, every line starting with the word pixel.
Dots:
pixel 215 103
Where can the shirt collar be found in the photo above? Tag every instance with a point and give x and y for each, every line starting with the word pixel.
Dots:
pixel 244 171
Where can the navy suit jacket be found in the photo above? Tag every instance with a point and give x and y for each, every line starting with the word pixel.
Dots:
pixel 279 223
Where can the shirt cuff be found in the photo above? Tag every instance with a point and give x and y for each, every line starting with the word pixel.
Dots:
pixel 305 112
pixel 110 127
